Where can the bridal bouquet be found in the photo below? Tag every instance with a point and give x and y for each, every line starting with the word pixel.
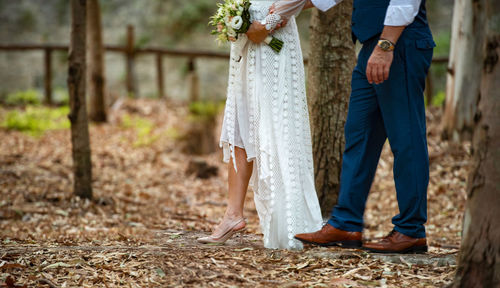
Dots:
pixel 232 21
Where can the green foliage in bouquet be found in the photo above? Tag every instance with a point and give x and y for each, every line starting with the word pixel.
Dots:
pixel 232 18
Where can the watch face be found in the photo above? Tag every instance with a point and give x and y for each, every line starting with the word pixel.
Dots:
pixel 385 45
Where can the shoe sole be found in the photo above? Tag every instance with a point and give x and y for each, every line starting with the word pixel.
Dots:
pixel 411 250
pixel 352 244
pixel 223 239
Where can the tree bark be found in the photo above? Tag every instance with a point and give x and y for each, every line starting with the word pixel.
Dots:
pixel 95 62
pixel 331 62
pixel 463 80
pixel 479 262
pixel 78 114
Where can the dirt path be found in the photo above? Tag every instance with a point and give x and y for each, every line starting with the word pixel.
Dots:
pixel 174 258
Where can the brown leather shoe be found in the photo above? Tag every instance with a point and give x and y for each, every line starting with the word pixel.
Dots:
pixel 397 242
pixel 331 236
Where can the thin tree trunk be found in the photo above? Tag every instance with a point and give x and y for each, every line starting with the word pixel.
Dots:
pixel 132 88
pixel 479 262
pixel 95 61
pixel 463 80
pixel 48 77
pixel 78 115
pixel 331 62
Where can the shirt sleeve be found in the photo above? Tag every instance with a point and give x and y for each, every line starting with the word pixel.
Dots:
pixel 324 5
pixel 402 12
pixel 288 8
pixel 285 9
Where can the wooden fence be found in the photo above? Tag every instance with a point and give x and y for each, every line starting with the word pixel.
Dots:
pixel 131 52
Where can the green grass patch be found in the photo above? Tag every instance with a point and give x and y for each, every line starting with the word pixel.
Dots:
pixel 143 128
pixel 203 111
pixel 21 98
pixel 173 133
pixel 36 120
pixel 438 99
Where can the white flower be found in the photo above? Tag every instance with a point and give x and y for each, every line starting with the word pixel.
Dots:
pixel 237 22
pixel 231 32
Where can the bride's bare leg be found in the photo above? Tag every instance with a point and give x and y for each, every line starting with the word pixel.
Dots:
pixel 238 185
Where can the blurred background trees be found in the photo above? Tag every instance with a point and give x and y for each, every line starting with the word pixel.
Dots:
pixel 158 23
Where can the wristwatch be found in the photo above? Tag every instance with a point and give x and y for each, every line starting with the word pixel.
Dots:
pixel 386 45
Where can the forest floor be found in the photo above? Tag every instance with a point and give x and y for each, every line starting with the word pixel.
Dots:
pixel 140 229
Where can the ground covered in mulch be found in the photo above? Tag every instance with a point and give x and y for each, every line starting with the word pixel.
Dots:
pixel 140 229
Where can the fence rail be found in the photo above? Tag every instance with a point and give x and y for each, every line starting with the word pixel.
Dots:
pixel 130 55
pixel 130 52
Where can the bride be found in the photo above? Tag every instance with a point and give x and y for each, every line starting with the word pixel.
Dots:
pixel 266 135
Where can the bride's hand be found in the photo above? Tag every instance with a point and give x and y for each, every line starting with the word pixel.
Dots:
pixel 257 32
pixel 283 23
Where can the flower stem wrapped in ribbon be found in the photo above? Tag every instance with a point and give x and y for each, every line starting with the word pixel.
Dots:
pixel 232 21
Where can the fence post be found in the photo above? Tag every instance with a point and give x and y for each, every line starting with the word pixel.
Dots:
pixel 131 79
pixel 193 81
pixel 429 89
pixel 159 75
pixel 48 76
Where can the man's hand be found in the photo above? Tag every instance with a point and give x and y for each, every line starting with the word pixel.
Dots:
pixel 257 32
pixel 379 65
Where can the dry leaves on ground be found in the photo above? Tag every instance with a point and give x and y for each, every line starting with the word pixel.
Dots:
pixel 139 231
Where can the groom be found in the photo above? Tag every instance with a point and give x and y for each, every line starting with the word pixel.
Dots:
pixel 386 102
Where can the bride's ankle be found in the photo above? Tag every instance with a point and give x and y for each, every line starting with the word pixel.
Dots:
pixel 233 216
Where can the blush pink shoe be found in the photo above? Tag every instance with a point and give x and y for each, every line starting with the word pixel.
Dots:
pixel 229 229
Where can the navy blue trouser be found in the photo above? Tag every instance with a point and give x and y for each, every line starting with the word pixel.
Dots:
pixel 393 110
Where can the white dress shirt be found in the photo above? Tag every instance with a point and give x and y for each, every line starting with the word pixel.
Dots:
pixel 399 13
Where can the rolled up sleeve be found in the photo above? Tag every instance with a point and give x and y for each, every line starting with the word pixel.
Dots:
pixel 402 12
pixel 325 5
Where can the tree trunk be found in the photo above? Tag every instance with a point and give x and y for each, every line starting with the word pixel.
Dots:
pixel 463 80
pixel 78 115
pixel 132 89
pixel 331 62
pixel 479 262
pixel 96 79
pixel 48 77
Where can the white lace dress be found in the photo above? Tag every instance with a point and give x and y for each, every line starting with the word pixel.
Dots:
pixel 266 114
